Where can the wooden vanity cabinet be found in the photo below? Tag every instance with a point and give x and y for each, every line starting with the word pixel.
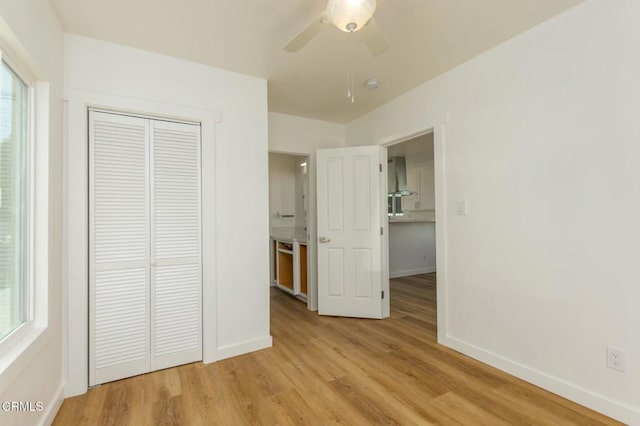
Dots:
pixel 290 267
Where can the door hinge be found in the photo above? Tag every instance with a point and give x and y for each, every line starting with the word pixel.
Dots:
pixel 381 230
pixel 380 167
pixel 383 294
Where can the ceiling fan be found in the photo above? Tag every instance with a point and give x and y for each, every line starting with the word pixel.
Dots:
pixel 349 16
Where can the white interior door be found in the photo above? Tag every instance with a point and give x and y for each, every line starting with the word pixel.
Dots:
pixel 118 247
pixel 176 267
pixel 350 223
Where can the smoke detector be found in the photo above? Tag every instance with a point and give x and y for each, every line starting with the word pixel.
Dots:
pixel 372 83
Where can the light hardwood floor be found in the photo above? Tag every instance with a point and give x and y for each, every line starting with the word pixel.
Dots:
pixel 324 370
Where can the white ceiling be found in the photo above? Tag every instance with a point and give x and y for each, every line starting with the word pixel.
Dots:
pixel 427 38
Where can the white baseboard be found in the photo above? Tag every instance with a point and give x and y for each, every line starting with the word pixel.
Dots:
pixel 619 411
pixel 409 272
pixel 243 348
pixel 50 411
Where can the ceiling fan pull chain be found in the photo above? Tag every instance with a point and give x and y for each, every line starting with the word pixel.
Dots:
pixel 348 81
pixel 350 90
pixel 353 95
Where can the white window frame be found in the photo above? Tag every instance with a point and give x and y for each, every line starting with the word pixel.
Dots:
pixel 30 334
pixel 28 286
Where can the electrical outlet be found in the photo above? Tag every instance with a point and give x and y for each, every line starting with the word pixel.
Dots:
pixel 461 207
pixel 615 359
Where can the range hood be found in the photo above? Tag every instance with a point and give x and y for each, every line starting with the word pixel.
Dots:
pixel 397 175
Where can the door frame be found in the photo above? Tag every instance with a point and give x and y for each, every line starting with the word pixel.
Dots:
pixel 77 103
pixel 439 133
pixel 312 241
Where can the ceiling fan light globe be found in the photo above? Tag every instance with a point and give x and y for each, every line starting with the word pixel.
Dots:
pixel 350 15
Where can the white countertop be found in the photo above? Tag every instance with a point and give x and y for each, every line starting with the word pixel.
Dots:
pixel 289 234
pixel 411 220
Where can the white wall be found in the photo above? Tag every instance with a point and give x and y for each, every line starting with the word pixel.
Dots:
pixel 412 248
pixel 301 190
pixel 286 190
pixel 37 375
pixel 236 228
pixel 542 141
pixel 299 135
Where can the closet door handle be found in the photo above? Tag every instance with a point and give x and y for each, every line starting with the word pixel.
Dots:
pixel 324 240
pixel 153 263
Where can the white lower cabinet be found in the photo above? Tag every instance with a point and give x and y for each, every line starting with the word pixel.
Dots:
pixel 145 268
pixel 289 266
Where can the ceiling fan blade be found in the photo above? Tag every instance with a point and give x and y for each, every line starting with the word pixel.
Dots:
pixel 372 36
pixel 306 35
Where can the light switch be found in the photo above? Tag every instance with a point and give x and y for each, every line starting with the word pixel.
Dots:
pixel 462 207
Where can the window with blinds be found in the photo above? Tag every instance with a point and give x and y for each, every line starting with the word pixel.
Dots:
pixel 14 176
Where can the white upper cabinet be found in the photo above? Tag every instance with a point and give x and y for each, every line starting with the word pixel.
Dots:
pixel 420 180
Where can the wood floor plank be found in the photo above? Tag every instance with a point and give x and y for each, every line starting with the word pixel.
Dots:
pixel 326 405
pixel 545 407
pixel 465 412
pixel 369 400
pixel 197 399
pixel 334 371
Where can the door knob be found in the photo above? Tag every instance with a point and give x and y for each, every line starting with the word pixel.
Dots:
pixel 324 240
pixel 154 263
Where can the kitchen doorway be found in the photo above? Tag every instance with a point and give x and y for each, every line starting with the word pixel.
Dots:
pixel 411 203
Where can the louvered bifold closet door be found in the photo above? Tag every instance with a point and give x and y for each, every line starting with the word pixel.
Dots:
pixel 119 341
pixel 176 313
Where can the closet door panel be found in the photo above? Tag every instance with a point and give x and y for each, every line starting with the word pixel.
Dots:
pixel 177 315
pixel 118 247
pixel 175 244
pixel 121 315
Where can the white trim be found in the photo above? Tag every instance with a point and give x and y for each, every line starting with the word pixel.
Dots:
pixel 312 241
pixel 65 242
pixel 614 409
pixel 442 286
pixel 32 203
pixel 76 195
pixel 439 135
pixel 410 272
pixel 384 219
pixel 51 410
pixel 12 47
pixel 147 116
pixel 41 205
pixel 244 347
